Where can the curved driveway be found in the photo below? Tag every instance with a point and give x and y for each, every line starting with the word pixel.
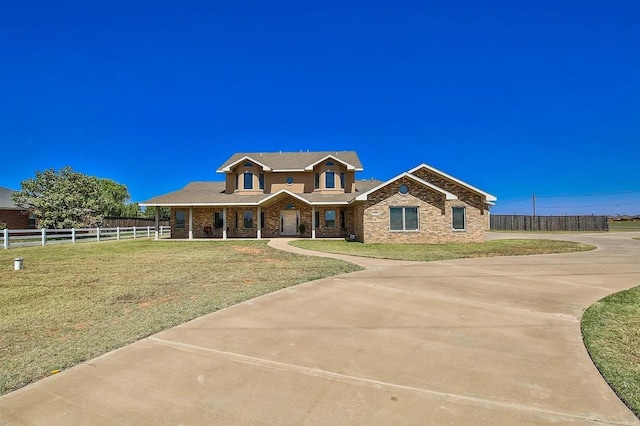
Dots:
pixel 472 341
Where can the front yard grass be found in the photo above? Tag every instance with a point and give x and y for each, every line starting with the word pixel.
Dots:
pixel 71 303
pixel 627 226
pixel 431 252
pixel 611 333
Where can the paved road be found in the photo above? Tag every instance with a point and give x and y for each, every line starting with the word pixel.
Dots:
pixel 474 341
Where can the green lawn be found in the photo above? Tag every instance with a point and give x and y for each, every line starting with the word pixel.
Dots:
pixel 611 332
pixel 431 252
pixel 71 303
pixel 624 226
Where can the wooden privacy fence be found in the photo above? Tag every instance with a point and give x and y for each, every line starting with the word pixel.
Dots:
pixel 505 222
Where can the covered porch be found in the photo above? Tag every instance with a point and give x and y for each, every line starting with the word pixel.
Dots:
pixel 282 215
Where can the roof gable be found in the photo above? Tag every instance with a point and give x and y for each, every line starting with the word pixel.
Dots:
pixel 333 157
pixel 6 202
pixel 247 157
pixel 489 198
pixel 292 161
pixel 447 194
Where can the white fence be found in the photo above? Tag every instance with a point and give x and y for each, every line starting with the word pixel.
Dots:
pixel 32 237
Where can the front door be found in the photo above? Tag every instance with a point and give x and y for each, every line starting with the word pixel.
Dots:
pixel 288 221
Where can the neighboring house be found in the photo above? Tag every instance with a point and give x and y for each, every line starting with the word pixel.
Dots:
pixel 316 194
pixel 13 216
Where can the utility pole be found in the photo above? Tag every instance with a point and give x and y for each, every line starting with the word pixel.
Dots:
pixel 533 199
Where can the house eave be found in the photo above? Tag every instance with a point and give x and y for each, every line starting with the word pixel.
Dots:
pixel 448 195
pixel 488 197
pixel 350 167
pixel 245 158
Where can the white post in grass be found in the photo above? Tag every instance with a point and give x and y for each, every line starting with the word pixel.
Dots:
pixel 224 223
pixel 98 234
pixel 6 239
pixel 157 220
pixel 148 231
pixel 44 236
pixel 134 232
pixel 117 233
pixel 73 235
pixel 191 223
pixel 259 233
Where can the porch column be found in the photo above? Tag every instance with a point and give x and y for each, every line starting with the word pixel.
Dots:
pixel 191 223
pixel 259 234
pixel 224 223
pixel 157 221
pixel 313 222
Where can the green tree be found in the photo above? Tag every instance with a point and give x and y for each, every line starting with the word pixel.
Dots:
pixel 114 198
pixel 63 199
pixel 131 210
pixel 67 199
pixel 163 214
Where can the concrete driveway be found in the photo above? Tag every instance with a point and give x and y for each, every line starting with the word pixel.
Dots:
pixel 474 341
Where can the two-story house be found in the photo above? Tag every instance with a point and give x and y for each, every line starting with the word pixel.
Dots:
pixel 316 194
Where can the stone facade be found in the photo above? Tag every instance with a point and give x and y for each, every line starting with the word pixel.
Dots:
pixel 204 226
pixel 435 216
pixel 284 197
pixel 463 193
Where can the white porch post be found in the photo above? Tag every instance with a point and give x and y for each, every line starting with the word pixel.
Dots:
pixel 191 223
pixel 313 222
pixel 259 234
pixel 157 221
pixel 224 223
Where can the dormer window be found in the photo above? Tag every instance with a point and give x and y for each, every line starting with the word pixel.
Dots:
pixel 248 164
pixel 329 163
pixel 248 180
pixel 330 180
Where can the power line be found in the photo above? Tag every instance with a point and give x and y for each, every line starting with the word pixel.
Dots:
pixel 635 191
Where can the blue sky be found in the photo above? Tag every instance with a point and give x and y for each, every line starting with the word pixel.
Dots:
pixel 512 97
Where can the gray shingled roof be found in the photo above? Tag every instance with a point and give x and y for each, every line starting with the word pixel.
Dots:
pixel 5 199
pixel 212 193
pixel 293 160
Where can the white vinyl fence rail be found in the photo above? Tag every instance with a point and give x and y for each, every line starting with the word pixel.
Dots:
pixel 33 237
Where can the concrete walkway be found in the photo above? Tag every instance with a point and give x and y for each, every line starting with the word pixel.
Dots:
pixel 473 341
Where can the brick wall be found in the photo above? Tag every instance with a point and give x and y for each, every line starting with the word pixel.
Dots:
pixel 15 219
pixel 435 216
pixel 463 193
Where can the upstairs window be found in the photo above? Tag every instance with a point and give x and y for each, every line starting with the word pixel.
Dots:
pixel 329 163
pixel 342 180
pixel 317 181
pixel 458 218
pixel 403 218
pixel 248 164
pixel 261 181
pixel 330 180
pixel 248 180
